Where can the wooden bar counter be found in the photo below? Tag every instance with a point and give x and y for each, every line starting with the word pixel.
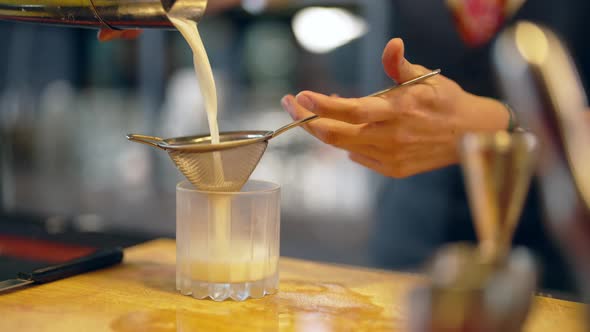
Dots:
pixel 140 295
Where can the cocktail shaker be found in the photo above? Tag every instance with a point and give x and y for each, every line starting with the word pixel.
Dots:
pixel 111 14
pixel 466 292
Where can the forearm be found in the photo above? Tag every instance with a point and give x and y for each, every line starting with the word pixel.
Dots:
pixel 488 114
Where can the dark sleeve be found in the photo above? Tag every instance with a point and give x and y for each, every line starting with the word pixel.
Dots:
pixel 416 215
pixel 578 43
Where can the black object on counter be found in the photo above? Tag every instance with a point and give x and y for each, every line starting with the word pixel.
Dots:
pixel 98 260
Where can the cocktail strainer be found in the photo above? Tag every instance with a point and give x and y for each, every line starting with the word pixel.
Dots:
pixel 226 166
pixel 217 167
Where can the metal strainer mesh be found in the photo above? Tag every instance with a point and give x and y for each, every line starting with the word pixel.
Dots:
pixel 223 170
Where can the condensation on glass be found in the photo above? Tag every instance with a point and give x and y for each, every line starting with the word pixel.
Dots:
pixel 228 242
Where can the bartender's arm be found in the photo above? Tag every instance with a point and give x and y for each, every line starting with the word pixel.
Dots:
pixel 407 131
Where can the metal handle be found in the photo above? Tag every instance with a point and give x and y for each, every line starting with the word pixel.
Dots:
pixel 98 260
pixel 378 93
pixel 144 139
pixel 410 82
pixel 293 125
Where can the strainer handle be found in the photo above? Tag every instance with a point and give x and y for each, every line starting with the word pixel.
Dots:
pixel 410 82
pixel 313 117
pixel 292 125
pixel 144 139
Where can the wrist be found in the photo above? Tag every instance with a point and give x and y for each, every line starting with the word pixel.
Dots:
pixel 486 114
pixel 513 124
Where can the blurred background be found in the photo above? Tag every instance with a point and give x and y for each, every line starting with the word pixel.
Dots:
pixel 67 173
pixel 67 101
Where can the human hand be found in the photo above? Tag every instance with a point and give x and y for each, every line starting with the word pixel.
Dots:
pixel 406 131
pixel 212 8
pixel 109 34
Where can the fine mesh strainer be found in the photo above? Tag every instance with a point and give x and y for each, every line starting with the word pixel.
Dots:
pixel 227 166
pixel 217 167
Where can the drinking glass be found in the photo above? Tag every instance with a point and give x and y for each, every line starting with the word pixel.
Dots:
pixel 227 243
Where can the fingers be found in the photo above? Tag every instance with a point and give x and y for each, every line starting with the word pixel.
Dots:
pixel 351 110
pixel 386 168
pixel 368 162
pixel 367 150
pixel 406 163
pixel 395 64
pixel 295 111
pixel 108 34
pixel 370 109
pixel 329 131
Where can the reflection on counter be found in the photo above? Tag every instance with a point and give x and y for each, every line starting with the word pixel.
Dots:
pixel 300 306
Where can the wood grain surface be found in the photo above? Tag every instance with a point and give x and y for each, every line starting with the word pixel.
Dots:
pixel 140 295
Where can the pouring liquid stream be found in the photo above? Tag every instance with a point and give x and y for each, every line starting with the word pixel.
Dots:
pixel 220 204
pixel 189 31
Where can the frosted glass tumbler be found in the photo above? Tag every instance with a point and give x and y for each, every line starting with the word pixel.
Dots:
pixel 227 243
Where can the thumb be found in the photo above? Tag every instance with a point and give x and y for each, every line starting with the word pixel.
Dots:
pixel 396 65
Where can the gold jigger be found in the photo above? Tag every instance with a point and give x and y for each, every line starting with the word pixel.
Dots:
pixel 497 168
